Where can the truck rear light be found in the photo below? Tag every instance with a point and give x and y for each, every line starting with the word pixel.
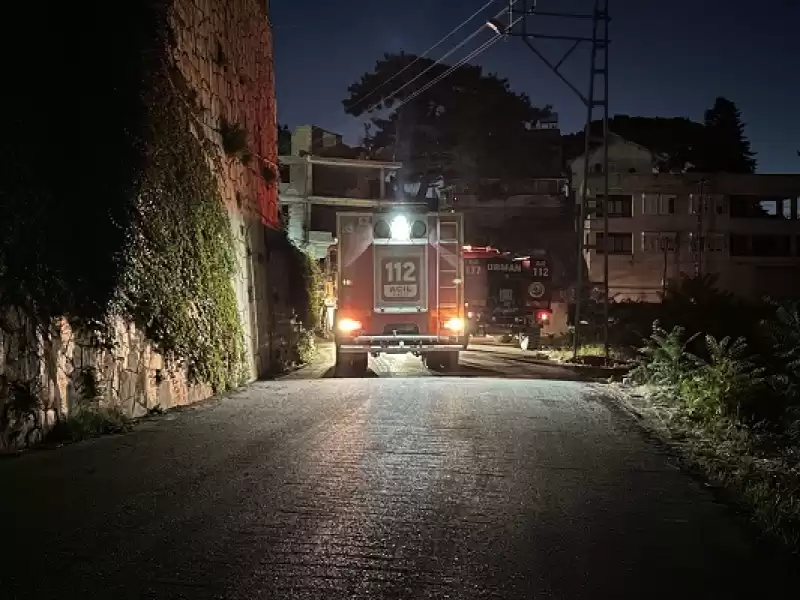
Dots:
pixel 454 324
pixel 348 325
pixel 543 316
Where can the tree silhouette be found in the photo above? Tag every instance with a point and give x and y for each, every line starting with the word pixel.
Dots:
pixel 469 125
pixel 725 148
pixel 675 139
pixel 716 145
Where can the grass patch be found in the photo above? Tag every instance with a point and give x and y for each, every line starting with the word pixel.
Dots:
pixel 759 465
pixel 88 423
pixel 733 415
pixel 588 351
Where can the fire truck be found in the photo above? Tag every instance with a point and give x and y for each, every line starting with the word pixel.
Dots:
pixel 506 295
pixel 399 288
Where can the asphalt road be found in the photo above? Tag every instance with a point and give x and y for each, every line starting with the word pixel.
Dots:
pixel 381 487
pixel 478 361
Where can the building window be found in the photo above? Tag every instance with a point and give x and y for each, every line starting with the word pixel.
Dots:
pixel 760 207
pixel 771 245
pixel 659 241
pixel 761 245
pixel 711 242
pixel 658 204
pixel 619 205
pixel 667 205
pixel 740 245
pixel 715 242
pixel 618 243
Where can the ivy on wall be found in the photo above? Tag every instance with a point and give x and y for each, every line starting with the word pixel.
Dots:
pixel 180 261
pixel 109 202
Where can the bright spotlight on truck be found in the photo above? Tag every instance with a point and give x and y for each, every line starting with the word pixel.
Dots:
pixel 400 228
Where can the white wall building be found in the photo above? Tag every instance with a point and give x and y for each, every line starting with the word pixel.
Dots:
pixel 743 228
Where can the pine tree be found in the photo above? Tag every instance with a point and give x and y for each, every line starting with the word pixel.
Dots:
pixel 724 147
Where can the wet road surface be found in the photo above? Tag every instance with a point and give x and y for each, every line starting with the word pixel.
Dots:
pixel 477 361
pixel 381 487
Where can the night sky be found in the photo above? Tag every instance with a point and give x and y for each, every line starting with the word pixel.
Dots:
pixel 668 58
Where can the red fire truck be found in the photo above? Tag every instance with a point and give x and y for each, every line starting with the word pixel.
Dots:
pixel 506 295
pixel 400 288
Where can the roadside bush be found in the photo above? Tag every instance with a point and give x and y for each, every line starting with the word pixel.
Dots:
pixel 305 287
pixel 700 308
pixel 665 360
pixel 306 345
pixel 783 331
pixel 87 423
pixel 726 384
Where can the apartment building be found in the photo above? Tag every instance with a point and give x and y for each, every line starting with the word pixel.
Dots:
pixel 745 229
pixel 310 139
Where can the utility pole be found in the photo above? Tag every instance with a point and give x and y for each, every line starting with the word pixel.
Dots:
pixel 700 243
pixel 595 100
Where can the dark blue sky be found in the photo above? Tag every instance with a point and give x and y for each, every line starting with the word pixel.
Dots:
pixel 668 58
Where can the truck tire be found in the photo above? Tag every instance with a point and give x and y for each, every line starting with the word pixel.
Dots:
pixel 359 364
pixel 450 360
pixel 432 361
pixel 443 362
pixel 350 365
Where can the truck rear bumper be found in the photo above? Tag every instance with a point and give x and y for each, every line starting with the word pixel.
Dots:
pixel 401 344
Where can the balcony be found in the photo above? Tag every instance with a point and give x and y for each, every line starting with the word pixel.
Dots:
pixel 346 182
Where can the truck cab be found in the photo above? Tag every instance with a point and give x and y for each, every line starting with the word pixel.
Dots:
pixel 399 288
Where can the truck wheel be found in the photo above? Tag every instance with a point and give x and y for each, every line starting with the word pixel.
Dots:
pixel 450 361
pixel 350 365
pixel 432 361
pixel 442 361
pixel 359 364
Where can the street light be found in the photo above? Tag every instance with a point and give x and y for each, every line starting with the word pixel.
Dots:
pixel 495 26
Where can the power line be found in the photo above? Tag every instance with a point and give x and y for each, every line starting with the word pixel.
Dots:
pixel 482 48
pixel 424 54
pixel 436 63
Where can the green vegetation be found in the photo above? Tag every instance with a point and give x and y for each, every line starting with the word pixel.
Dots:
pixel 733 411
pixel 564 352
pixel 178 268
pixel 234 141
pixel 306 298
pixel 111 207
pixel 88 422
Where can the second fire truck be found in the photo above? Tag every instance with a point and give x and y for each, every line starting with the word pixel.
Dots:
pixel 506 296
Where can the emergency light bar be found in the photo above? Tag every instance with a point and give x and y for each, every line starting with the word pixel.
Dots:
pixel 400 228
